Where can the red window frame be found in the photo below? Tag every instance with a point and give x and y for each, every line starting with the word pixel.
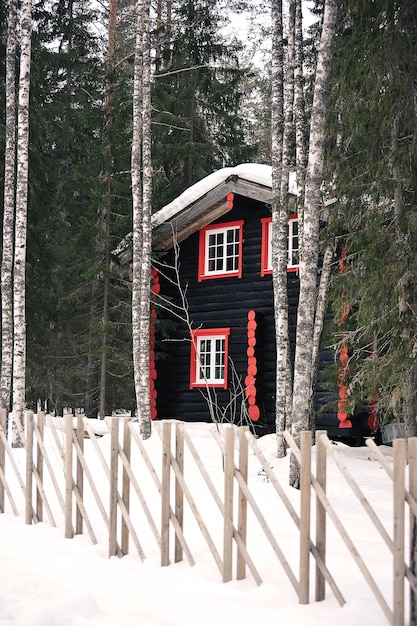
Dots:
pixel 203 274
pixel 265 246
pixel 208 333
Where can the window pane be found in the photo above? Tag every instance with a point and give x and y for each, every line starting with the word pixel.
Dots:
pixel 223 251
pixel 211 355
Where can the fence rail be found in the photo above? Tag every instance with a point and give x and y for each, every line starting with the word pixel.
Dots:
pixel 60 480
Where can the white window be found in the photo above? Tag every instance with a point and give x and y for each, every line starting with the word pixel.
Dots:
pixel 220 251
pixel 293 258
pixel 209 355
pixel 292 238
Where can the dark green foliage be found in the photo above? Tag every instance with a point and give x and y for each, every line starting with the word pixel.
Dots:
pixel 372 168
pixel 67 189
pixel 198 123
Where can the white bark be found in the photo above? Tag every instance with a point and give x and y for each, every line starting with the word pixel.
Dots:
pixel 279 228
pixel 19 290
pixel 303 370
pixel 141 195
pixel 8 212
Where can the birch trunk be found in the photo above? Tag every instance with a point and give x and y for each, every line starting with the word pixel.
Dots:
pixel 279 227
pixel 303 374
pixel 141 195
pixel 19 287
pixel 299 100
pixel 8 212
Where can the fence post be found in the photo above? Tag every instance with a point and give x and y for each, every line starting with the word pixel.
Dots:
pixel 399 519
pixel 179 494
pixel 127 445
pixel 243 503
pixel 412 451
pixel 39 465
pixel 29 468
pixel 69 533
pixel 165 492
pixel 321 475
pixel 229 466
pixel 305 495
pixel 79 523
pixel 3 427
pixel 114 457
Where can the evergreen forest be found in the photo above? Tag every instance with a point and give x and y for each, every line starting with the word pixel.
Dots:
pixel 210 108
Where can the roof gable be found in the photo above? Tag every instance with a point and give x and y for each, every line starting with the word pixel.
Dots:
pixel 207 200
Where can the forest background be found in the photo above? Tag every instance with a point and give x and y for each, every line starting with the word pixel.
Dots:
pixel 211 107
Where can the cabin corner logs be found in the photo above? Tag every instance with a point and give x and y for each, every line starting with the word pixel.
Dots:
pixel 244 304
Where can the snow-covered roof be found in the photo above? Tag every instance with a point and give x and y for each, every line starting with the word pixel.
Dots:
pixel 251 172
pixel 204 202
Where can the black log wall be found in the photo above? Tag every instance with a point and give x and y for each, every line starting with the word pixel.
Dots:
pixel 225 302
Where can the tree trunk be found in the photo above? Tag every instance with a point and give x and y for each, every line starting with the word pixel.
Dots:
pixel 141 196
pixel 309 253
pixel 19 291
pixel 105 209
pixel 8 212
pixel 279 227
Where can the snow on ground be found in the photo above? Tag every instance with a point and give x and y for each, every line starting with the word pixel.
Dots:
pixel 47 580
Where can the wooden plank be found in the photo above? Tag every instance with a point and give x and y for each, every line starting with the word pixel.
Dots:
pixel 240 544
pixel 321 475
pixel 12 460
pixel 51 425
pixel 197 515
pixel 39 464
pixel 344 534
pixel 165 492
pixel 135 484
pixel 399 538
pixel 29 468
pixel 412 502
pixel 358 492
pixel 79 476
pixel 229 465
pixel 242 517
pixel 412 452
pixel 114 462
pixel 69 532
pixel 270 535
pixel 3 427
pixel 8 492
pixel 275 482
pixel 305 499
pixel 179 494
pixel 127 444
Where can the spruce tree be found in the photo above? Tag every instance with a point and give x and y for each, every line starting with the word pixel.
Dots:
pixel 371 138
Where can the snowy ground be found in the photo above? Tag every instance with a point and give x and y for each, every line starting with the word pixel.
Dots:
pixel 47 580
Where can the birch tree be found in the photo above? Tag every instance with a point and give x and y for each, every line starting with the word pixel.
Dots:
pixel 19 278
pixel 8 211
pixel 279 225
pixel 142 233
pixel 310 244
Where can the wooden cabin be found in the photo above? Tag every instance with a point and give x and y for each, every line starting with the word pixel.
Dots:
pixel 213 267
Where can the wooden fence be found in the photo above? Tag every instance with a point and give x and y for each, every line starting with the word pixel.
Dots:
pixel 57 480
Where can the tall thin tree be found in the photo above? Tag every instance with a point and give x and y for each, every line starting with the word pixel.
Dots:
pixel 19 278
pixel 279 225
pixel 8 212
pixel 142 233
pixel 310 244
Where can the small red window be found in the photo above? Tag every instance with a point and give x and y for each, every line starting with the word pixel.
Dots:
pixel 209 357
